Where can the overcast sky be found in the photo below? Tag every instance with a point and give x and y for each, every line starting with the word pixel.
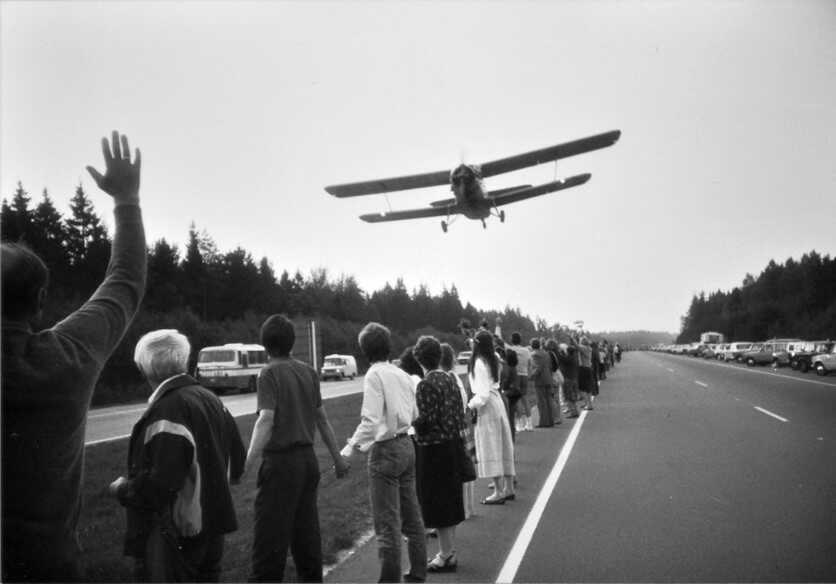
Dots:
pixel 245 111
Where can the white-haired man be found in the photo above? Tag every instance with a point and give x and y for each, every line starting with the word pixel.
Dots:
pixel 183 451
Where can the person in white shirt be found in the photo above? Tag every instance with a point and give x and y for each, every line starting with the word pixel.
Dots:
pixel 389 409
pixel 494 445
pixel 523 371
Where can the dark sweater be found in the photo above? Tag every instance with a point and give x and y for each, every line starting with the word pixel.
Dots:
pixel 48 381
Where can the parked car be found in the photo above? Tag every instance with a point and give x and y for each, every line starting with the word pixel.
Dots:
pixel 802 358
pixel 710 351
pixel 824 363
pixel 773 351
pixel 735 350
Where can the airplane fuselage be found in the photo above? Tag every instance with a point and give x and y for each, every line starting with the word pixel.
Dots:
pixel 466 184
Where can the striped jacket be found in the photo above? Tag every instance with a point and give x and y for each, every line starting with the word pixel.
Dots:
pixel 182 453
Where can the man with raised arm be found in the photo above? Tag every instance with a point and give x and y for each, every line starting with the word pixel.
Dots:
pixel 48 381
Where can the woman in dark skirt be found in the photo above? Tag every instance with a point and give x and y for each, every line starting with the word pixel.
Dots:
pixel 438 440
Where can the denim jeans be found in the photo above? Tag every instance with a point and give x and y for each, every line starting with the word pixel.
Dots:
pixel 395 508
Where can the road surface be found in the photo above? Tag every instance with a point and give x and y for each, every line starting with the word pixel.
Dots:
pixel 115 423
pixel 686 470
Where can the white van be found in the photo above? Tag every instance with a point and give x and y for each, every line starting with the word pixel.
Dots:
pixel 230 366
pixel 338 367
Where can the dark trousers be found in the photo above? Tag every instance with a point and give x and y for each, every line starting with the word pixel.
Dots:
pixel 511 404
pixel 544 405
pixel 169 558
pixel 286 516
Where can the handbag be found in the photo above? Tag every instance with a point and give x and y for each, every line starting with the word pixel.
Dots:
pixel 464 464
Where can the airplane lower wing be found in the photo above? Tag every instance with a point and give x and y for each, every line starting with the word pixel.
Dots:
pixel 528 193
pixel 551 153
pixel 385 185
pixel 410 214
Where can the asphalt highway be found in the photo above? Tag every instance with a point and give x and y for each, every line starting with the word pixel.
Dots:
pixel 115 423
pixel 687 470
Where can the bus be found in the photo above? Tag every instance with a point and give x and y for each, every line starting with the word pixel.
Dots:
pixel 712 338
pixel 230 366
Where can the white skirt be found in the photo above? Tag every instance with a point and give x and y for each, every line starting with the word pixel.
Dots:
pixel 494 446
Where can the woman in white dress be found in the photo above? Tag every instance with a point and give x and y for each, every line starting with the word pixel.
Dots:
pixel 494 445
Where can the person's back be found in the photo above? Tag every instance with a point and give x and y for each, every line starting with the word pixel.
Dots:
pixel 48 381
pixel 219 456
pixel 296 399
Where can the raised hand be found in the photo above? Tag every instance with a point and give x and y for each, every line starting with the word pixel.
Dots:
pixel 121 177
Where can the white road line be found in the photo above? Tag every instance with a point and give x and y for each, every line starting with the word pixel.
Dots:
pixel 103 440
pixel 671 370
pixel 515 556
pixel 768 413
pixel 701 383
pixel 93 416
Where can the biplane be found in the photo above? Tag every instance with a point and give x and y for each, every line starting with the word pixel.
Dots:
pixel 466 181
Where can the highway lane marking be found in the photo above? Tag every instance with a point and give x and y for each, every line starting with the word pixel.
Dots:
pixel 515 556
pixel 103 440
pixel 671 370
pixel 700 383
pixel 116 413
pixel 768 413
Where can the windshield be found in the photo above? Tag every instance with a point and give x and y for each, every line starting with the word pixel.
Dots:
pixel 334 362
pixel 216 356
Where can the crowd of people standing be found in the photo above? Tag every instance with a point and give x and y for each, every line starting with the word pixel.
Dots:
pixel 428 433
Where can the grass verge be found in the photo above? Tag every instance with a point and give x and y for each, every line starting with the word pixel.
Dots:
pixel 344 512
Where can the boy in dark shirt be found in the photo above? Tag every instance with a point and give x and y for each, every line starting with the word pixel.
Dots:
pixel 289 411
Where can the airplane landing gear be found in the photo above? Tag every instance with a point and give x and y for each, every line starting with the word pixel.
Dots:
pixel 484 226
pixel 444 226
pixel 502 216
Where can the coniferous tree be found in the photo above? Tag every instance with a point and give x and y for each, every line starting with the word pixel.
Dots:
pixel 163 292
pixel 49 240
pixel 88 246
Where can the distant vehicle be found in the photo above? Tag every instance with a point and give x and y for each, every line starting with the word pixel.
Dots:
pixel 471 199
pixel 338 367
pixel 694 349
pixel 230 366
pixel 735 350
pixel 720 351
pixel 825 362
pixel 710 351
pixel 461 362
pixel 711 337
pixel 802 359
pixel 772 351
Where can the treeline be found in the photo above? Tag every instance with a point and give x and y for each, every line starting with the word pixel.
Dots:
pixel 793 299
pixel 637 339
pixel 216 297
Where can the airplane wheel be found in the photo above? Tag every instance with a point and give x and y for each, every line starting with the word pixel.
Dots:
pixel 502 216
pixel 444 226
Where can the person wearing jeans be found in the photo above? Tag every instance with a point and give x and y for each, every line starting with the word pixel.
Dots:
pixel 388 410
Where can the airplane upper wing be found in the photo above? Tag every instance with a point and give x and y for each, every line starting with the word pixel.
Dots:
pixel 551 153
pixel 397 183
pixel 410 214
pixel 558 185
